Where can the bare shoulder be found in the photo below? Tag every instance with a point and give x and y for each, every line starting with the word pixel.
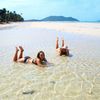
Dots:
pixel 37 60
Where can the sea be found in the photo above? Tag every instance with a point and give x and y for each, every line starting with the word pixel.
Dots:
pixel 75 77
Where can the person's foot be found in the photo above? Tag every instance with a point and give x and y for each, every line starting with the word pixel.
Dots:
pixel 21 48
pixel 17 49
pixel 57 39
pixel 62 39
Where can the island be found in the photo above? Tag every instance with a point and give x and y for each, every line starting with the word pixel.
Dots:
pixel 56 18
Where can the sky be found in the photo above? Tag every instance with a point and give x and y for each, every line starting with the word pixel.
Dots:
pixel 84 10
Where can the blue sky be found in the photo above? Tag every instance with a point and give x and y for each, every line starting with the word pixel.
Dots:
pixel 84 10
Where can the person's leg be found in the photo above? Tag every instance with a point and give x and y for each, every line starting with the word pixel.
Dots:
pixel 15 58
pixel 21 60
pixel 63 43
pixel 21 52
pixel 57 44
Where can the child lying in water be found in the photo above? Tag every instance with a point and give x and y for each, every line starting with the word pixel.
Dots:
pixel 40 60
pixel 62 50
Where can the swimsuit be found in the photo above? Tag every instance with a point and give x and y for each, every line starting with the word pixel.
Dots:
pixel 34 60
pixel 42 62
pixel 26 58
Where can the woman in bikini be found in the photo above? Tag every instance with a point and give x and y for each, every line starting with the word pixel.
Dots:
pixel 40 60
pixel 62 50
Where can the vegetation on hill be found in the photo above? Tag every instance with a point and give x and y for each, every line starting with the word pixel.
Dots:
pixel 59 18
pixel 56 18
pixel 8 16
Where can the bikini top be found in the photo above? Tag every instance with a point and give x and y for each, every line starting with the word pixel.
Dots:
pixel 42 62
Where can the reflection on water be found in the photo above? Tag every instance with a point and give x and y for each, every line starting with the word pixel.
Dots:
pixel 68 78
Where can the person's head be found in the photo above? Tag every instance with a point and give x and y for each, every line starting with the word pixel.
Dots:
pixel 41 55
pixel 63 51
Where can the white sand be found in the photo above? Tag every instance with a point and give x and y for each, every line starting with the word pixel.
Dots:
pixel 78 28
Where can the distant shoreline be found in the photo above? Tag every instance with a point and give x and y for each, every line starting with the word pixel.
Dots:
pixel 63 21
pixel 69 27
pixel 55 18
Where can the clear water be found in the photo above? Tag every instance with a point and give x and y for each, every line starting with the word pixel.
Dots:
pixel 68 78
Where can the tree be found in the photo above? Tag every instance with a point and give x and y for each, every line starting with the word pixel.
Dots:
pixel 8 16
pixel 3 15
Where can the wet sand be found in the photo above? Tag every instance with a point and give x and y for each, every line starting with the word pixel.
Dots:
pixel 68 78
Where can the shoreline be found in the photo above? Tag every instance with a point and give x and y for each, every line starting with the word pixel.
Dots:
pixel 75 27
pixel 81 28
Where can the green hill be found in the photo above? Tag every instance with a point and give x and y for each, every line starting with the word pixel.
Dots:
pixel 59 18
pixel 56 18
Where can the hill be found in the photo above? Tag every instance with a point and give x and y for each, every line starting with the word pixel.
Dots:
pixel 56 18
pixel 59 18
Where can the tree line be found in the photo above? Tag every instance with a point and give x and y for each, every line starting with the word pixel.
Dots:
pixel 8 16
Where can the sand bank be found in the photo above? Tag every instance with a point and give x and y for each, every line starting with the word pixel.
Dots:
pixel 78 28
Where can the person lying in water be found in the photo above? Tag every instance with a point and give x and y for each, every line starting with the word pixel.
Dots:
pixel 40 60
pixel 62 50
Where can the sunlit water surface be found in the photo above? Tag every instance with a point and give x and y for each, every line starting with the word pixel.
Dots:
pixel 67 78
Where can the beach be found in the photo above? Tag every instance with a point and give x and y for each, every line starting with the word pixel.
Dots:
pixel 76 77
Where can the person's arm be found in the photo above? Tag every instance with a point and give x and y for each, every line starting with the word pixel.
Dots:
pixel 45 60
pixel 39 63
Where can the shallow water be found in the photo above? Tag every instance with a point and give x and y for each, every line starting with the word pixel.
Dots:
pixel 68 78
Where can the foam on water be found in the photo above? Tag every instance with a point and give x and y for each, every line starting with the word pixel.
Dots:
pixel 68 78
